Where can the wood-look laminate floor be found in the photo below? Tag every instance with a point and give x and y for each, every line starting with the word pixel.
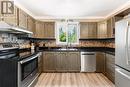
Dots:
pixel 73 80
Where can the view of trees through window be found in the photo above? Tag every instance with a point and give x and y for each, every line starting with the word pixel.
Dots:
pixel 68 33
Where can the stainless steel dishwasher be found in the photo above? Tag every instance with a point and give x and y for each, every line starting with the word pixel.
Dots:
pixel 88 62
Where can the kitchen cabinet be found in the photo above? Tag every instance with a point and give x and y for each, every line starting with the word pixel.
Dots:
pixel 45 29
pixel 49 62
pixel 68 62
pixel 39 29
pixel 22 20
pixel 40 63
pixel 74 61
pixel 49 30
pixel 110 27
pixel 31 24
pixel 11 19
pixel 61 62
pixel 102 29
pixel 88 30
pixel 110 67
pixel 100 62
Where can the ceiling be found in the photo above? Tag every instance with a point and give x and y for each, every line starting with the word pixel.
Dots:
pixel 56 9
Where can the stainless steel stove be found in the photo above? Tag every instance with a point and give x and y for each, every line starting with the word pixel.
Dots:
pixel 17 69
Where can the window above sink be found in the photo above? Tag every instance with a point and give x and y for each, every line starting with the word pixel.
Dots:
pixel 67 33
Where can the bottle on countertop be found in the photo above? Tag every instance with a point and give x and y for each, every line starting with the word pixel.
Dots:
pixel 32 47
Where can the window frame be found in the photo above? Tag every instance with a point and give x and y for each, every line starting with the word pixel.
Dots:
pixel 66 24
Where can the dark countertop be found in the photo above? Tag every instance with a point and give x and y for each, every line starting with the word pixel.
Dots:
pixel 77 49
pixel 25 53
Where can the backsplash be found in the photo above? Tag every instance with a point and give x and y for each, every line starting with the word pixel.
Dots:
pixel 8 38
pixel 92 44
pixel 110 44
pixel 12 38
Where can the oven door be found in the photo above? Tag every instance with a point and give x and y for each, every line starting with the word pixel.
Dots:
pixel 28 71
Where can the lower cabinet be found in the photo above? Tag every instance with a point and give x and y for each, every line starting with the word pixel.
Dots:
pixel 110 67
pixel 74 61
pixel 49 61
pixel 100 62
pixel 61 62
pixel 40 64
pixel 105 63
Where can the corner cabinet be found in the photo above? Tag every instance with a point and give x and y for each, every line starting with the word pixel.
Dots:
pixel 88 30
pixel 61 62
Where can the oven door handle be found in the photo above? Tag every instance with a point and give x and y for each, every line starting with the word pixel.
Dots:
pixel 29 59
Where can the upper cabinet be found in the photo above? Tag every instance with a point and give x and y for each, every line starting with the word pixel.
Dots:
pixel 45 29
pixel 22 19
pixel 102 29
pixel 11 19
pixel 106 29
pixel 31 24
pixel 39 29
pixel 110 27
pixel 49 30
pixel 88 30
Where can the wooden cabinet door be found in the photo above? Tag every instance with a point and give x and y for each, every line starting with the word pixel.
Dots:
pixel 92 32
pixel 110 27
pixel 49 30
pixel 39 30
pixel 73 61
pixel 110 67
pixel 102 30
pixel 11 19
pixel 84 30
pixel 88 30
pixel 31 24
pixel 62 62
pixel 100 62
pixel 22 19
pixel 49 62
pixel 40 64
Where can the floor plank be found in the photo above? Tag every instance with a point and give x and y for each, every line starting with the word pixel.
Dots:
pixel 73 80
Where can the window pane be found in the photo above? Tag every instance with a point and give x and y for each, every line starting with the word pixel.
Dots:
pixel 72 33
pixel 62 33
